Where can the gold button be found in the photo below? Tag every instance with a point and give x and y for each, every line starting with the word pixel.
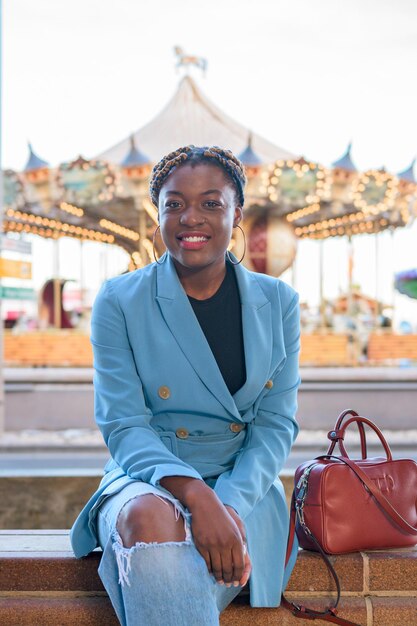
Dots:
pixel 182 433
pixel 164 392
pixel 236 428
pixel 269 384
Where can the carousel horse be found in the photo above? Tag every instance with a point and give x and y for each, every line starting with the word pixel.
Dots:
pixel 185 60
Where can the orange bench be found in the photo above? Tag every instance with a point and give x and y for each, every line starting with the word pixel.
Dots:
pixel 390 347
pixel 68 348
pixel 325 349
pixel 48 349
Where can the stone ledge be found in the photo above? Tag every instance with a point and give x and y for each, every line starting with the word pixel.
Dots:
pixel 41 582
pixel 392 611
pixel 57 611
pixel 91 611
pixel 398 566
pixel 237 614
pixel 43 561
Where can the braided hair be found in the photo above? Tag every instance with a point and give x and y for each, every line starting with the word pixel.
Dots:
pixel 225 159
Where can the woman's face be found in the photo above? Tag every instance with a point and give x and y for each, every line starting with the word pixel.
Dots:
pixel 197 211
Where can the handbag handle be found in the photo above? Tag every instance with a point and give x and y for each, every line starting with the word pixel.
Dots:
pixel 360 428
pixel 338 435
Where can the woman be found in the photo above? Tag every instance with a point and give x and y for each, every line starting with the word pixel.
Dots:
pixel 196 376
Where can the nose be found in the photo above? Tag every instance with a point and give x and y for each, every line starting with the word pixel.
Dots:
pixel 191 216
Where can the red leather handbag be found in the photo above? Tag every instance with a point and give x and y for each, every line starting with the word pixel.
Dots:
pixel 340 505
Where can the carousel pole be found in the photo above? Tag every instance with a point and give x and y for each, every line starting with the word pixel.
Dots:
pixel 377 295
pixel 350 277
pixel 321 284
pixel 82 276
pixel 57 286
pixel 393 290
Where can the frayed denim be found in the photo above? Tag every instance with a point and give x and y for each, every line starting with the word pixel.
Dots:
pixel 157 584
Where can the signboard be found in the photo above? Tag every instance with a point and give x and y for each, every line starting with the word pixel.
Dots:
pixel 17 293
pixel 15 269
pixel 15 245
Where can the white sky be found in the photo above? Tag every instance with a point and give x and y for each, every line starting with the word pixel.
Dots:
pixel 79 75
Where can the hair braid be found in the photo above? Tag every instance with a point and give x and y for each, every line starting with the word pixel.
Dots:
pixel 224 158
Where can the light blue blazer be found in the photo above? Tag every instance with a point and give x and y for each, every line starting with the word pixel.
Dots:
pixel 155 374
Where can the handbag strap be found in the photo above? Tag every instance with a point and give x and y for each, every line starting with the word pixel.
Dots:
pixel 377 494
pixel 301 611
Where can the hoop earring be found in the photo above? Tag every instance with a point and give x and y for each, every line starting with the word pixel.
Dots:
pixel 153 245
pixel 229 258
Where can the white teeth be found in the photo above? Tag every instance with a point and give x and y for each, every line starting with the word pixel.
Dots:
pixel 194 239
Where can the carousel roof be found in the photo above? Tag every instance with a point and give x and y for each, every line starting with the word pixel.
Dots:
pixel 106 199
pixel 345 162
pixel 134 156
pixel 191 118
pixel 249 156
pixel 408 173
pixel 34 162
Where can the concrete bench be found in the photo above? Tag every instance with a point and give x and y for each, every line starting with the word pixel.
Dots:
pixel 41 583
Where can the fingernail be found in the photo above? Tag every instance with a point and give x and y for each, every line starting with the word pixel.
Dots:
pixel 236 584
pixel 228 585
pixel 221 582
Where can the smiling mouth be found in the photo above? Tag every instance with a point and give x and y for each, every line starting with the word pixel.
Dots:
pixel 194 238
pixel 193 241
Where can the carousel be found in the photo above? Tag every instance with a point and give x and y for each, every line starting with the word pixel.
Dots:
pixel 105 199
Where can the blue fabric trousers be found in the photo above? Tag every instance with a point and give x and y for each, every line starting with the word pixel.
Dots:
pixel 157 584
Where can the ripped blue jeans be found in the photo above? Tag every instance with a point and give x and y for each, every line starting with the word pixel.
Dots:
pixel 157 584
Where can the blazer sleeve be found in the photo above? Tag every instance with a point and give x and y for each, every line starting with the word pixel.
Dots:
pixel 271 433
pixel 120 409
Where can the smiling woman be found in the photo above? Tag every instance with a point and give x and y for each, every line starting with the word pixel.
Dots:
pixel 196 378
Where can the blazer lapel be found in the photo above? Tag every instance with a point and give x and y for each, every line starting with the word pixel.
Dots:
pixel 263 342
pixel 180 318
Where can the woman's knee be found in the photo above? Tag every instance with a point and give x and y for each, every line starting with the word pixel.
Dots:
pixel 149 519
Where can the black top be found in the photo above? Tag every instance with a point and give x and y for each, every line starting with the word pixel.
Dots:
pixel 220 318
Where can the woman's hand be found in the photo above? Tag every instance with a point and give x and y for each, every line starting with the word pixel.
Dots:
pixel 248 565
pixel 219 540
pixel 218 532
